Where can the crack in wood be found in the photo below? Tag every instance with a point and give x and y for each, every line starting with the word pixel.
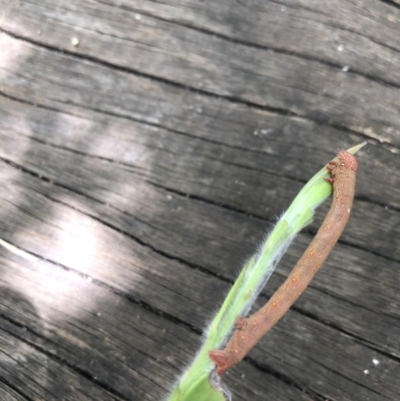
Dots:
pixel 137 301
pixel 15 389
pixel 336 371
pixel 98 157
pixel 196 197
pixel 272 109
pixel 391 3
pixel 145 305
pixel 283 378
pixel 378 350
pixel 141 242
pixel 60 360
pixel 270 48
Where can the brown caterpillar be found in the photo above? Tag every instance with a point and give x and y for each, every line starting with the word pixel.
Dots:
pixel 250 330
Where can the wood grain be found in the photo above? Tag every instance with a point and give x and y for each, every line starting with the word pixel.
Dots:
pixel 286 82
pixel 151 159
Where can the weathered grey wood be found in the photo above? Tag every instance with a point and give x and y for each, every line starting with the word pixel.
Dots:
pixel 153 296
pixel 8 394
pixel 241 72
pixel 121 345
pixel 246 181
pixel 38 377
pixel 144 165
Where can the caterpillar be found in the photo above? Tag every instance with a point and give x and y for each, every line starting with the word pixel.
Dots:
pixel 250 330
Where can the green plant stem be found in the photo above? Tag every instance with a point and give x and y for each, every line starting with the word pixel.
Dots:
pixel 195 383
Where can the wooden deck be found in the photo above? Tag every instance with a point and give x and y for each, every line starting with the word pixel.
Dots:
pixel 146 147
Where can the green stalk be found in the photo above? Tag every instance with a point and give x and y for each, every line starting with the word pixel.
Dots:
pixel 199 382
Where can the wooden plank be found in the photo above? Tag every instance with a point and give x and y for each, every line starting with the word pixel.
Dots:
pixel 285 337
pixel 187 253
pixel 40 378
pixel 8 394
pixel 209 124
pixel 143 165
pixel 306 29
pixel 66 329
pixel 89 330
pixel 251 75
pixel 172 167
pixel 344 362
pixel 45 244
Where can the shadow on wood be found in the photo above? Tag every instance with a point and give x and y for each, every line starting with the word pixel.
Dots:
pixel 144 165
